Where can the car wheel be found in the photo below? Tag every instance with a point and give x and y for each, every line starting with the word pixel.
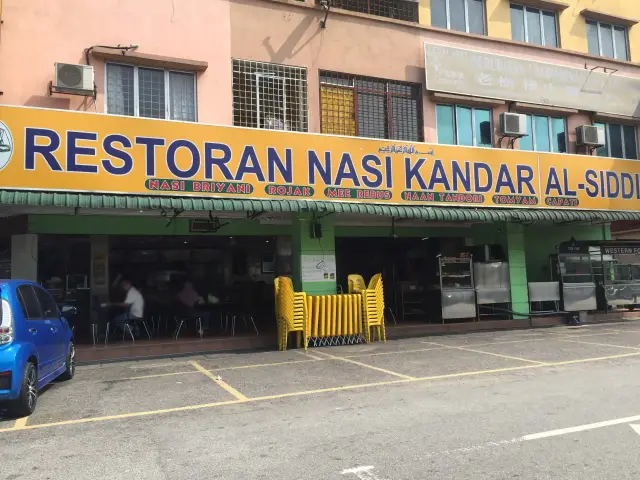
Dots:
pixel 25 404
pixel 70 371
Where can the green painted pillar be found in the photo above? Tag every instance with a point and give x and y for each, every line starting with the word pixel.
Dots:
pixel 313 259
pixel 517 269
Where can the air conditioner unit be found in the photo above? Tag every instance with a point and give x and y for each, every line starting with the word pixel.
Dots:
pixel 72 78
pixel 590 136
pixel 513 124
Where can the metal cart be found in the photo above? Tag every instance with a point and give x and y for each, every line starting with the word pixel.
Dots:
pixel 457 288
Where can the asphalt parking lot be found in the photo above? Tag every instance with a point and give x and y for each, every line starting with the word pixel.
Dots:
pixel 246 395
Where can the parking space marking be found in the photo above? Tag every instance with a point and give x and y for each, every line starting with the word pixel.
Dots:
pixel 311 392
pixel 220 382
pixel 598 344
pixel 488 343
pixel 394 352
pixel 509 357
pixel 580 428
pixel 383 370
pixel 20 423
pixel 307 354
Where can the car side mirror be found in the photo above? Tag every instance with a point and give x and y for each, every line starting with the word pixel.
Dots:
pixel 68 311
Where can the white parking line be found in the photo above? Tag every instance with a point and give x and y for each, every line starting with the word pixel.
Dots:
pixel 580 428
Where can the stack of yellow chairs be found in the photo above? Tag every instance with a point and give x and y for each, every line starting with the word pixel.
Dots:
pixel 373 304
pixel 356 283
pixel 291 313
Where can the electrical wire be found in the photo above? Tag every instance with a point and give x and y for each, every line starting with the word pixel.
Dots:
pixel 123 48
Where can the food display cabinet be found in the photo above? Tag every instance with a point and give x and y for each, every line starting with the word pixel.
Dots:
pixel 492 286
pixel 457 288
pixel 577 281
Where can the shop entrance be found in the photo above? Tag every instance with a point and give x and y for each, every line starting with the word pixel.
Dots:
pixel 411 269
pixel 193 286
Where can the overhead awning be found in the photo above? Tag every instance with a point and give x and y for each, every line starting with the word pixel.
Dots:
pixel 75 200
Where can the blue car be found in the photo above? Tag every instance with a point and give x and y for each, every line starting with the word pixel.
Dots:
pixel 36 344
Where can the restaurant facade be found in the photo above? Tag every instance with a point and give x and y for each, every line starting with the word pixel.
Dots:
pixel 224 143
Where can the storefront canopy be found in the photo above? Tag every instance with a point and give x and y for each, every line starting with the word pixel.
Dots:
pixel 74 200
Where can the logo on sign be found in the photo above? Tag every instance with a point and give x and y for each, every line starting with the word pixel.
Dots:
pixel 6 145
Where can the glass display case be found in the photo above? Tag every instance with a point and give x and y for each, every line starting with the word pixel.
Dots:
pixel 457 288
pixel 576 274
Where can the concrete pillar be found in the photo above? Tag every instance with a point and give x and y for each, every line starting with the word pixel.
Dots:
pixel 517 269
pixel 24 257
pixel 313 259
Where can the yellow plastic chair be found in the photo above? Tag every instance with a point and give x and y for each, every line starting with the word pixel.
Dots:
pixel 292 313
pixel 373 300
pixel 356 283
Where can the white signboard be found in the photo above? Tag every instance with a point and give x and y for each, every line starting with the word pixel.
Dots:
pixel 318 268
pixel 470 72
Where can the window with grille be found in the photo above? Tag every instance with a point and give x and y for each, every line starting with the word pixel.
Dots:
pixel 370 107
pixel 151 93
pixel 269 96
pixel 620 141
pixel 545 134
pixel 460 125
pixel 406 10
pixel 462 15
pixel 533 25
pixel 607 40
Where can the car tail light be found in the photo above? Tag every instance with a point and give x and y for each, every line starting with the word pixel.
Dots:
pixel 6 323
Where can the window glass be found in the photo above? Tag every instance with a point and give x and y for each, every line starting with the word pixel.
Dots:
pixel 456 15
pixel 439 13
pixel 120 94
pixel 606 40
pixel 550 30
pixel 558 136
pixel 615 141
pixel 29 303
pixel 630 145
pixel 47 305
pixel 476 16
pixel 534 33
pixel 444 125
pixel 604 150
pixel 151 93
pixel 464 126
pixel 517 23
pixel 483 128
pixel 541 133
pixel 182 95
pixel 592 38
pixel 620 40
pixel 526 143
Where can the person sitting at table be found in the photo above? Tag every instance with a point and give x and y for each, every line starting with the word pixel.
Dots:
pixel 189 300
pixel 134 304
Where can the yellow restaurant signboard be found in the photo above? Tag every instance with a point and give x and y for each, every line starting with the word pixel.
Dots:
pixel 56 150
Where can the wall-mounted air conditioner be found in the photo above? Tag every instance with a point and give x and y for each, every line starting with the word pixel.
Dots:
pixel 513 124
pixel 74 79
pixel 590 136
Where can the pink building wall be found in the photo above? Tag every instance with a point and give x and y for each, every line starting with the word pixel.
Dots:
pixel 37 33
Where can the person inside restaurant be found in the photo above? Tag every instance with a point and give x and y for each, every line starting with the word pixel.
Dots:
pixel 134 308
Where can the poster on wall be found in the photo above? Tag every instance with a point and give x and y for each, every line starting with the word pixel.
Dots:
pixel 318 268
pixel 55 150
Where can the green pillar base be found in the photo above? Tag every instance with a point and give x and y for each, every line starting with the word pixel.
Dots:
pixel 517 270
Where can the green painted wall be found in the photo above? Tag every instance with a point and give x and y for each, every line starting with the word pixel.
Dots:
pixel 541 241
pixel 303 244
pixel 517 269
pixel 106 225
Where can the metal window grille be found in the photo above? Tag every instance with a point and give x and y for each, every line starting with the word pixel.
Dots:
pixel 269 96
pixel 399 9
pixel 151 93
pixel 370 107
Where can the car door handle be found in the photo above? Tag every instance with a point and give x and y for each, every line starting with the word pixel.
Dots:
pixel 33 330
